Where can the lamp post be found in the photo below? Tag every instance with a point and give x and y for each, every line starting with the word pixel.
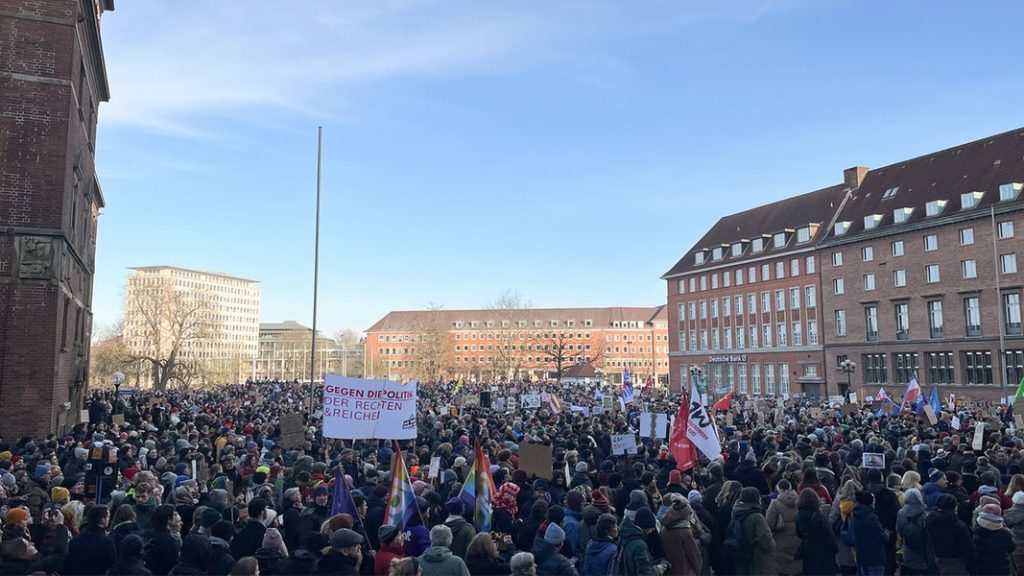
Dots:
pixel 848 366
pixel 697 375
pixel 117 380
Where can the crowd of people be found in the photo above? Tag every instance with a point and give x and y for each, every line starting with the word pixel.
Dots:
pixel 190 482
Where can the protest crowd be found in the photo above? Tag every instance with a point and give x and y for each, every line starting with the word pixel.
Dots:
pixel 241 480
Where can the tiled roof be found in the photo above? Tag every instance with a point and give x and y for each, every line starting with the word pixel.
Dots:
pixel 582 370
pixel 600 317
pixel 816 207
pixel 979 166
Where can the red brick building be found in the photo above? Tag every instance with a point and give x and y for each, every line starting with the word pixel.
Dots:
pixel 921 273
pixel 744 303
pixel 495 344
pixel 52 79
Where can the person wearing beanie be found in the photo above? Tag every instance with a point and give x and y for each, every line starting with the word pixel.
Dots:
pixel 129 558
pixel 462 531
pixel 547 555
pixel 600 551
pixel 317 512
pixel 934 487
pixel 993 543
pixel 757 534
pixel 438 560
pixel 392 547
pixel 60 495
pixel 679 540
pixel 634 555
pixel 675 484
pixel 272 551
pixel 949 537
pixel 37 491
pixel 1013 518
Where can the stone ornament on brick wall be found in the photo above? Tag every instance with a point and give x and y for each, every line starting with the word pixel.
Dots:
pixel 36 257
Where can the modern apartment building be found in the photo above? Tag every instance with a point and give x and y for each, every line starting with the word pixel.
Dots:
pixel 285 349
pixel 920 273
pixel 534 343
pixel 211 318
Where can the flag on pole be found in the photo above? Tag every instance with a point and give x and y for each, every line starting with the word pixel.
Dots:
pixel 881 396
pixel 723 403
pixel 401 498
pixel 479 489
pixel 700 427
pixel 912 392
pixel 627 389
pixel 649 385
pixel 1020 390
pixel 934 400
pixel 679 445
pixel 556 406
pixel 342 503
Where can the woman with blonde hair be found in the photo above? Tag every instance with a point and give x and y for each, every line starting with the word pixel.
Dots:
pixel 1016 484
pixel 911 479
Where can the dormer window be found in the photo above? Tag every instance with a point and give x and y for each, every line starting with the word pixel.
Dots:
pixel 934 208
pixel 779 240
pixel 757 245
pixel 970 200
pixel 716 254
pixel 737 249
pixel 698 257
pixel 803 234
pixel 890 193
pixel 901 215
pixel 871 221
pixel 1010 192
pixel 841 228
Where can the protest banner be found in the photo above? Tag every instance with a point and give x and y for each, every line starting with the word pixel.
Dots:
pixel 435 467
pixel 535 459
pixel 580 409
pixel 653 425
pixel 531 401
pixel 929 414
pixel 979 436
pixel 836 400
pixel 623 443
pixel 854 398
pixel 510 405
pixel 293 431
pixel 369 409
pixel 954 422
pixel 874 460
pixel 499 405
pixel 471 400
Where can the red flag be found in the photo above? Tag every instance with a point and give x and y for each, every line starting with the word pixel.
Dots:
pixel 648 385
pixel 723 404
pixel 680 446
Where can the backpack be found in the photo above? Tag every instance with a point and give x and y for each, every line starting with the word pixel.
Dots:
pixel 735 543
pixel 914 535
pixel 846 532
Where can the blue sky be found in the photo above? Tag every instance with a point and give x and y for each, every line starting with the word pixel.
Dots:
pixel 570 151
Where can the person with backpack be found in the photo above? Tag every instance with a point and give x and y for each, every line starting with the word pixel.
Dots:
pixel 869 538
pixel 634 557
pixel 839 519
pixel 918 554
pixel 818 546
pixel 748 538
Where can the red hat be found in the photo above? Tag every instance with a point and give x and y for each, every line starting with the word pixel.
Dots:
pixel 130 473
pixel 597 498
pixel 674 477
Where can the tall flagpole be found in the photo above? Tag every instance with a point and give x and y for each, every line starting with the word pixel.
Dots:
pixel 316 268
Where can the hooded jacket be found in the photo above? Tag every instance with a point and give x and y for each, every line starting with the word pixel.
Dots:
pixel 817 542
pixel 911 526
pixel 550 562
pixel 759 536
pixel 597 559
pixel 949 536
pixel 681 549
pixel 781 520
pixel 439 561
pixel 869 537
pixel 196 552
pixel 221 560
pixel 993 545
pixel 462 534
pixel 633 556
pixel 1014 520
pixel 91 552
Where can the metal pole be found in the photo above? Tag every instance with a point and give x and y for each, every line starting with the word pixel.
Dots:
pixel 997 268
pixel 316 265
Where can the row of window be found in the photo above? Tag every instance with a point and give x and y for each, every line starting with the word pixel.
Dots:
pixel 757 245
pixel 932 274
pixel 748 275
pixel 729 305
pixel 975 368
pixel 735 377
pixel 784 334
pixel 1011 318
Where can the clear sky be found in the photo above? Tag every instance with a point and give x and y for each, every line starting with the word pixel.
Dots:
pixel 569 150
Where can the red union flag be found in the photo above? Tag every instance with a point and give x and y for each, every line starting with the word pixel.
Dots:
pixel 679 444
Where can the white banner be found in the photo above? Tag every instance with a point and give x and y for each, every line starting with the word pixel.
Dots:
pixel 700 428
pixel 531 400
pixel 366 409
pixel 656 423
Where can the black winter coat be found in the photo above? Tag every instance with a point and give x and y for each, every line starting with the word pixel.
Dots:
pixel 248 540
pixel 221 560
pixel 91 552
pixel 817 543
pixel 162 551
pixel 949 536
pixel 993 549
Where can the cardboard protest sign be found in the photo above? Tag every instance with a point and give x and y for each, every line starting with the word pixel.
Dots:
pixel 874 460
pixel 656 424
pixel 623 444
pixel 499 405
pixel 293 431
pixel 849 409
pixel 435 467
pixel 929 415
pixel 854 398
pixel 369 409
pixel 510 405
pixel 979 436
pixel 535 459
pixel 471 400
pixel 201 470
pixel 117 419
pixel 955 422
pixel 531 401
pixel 83 415
pixel 815 412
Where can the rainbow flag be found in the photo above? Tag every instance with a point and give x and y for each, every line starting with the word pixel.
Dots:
pixel 401 498
pixel 479 490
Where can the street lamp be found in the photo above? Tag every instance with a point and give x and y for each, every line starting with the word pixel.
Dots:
pixel 848 366
pixel 117 379
pixel 697 376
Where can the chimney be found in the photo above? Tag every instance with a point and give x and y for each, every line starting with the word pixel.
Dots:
pixel 852 177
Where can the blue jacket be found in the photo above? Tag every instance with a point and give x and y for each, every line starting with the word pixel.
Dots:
pixel 598 558
pixel 572 529
pixel 869 537
pixel 931 492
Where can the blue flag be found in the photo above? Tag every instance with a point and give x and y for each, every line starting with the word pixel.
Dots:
pixel 342 503
pixel 934 400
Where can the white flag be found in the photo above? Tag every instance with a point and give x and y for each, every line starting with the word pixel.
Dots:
pixel 700 429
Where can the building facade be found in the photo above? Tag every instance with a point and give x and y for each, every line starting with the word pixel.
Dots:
pixel 209 319
pixel 522 343
pixel 920 273
pixel 52 80
pixel 744 306
pixel 285 350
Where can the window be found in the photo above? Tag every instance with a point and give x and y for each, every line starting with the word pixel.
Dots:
pixel 780 300
pixel 871 323
pixel 977 367
pixel 703 283
pixel 896 248
pixel 755 379
pixel 874 369
pixel 809 264
pixel 940 368
pixel 931 243
pixel 715 343
pixel 935 318
pixel 934 208
pixel 780 270
pixel 740 343
pixel 794 298
pixel 838 286
pixel 698 257
pixel 1013 363
pixel 803 235
pixel 766 304
pixel 757 245
pixel 869 282
pixel 1008 263
pixel 766 272
pixel 716 253
pixel 899 278
pixel 766 335
pixel 681 288
pixel 794 267
pixel 901 215
pixel 727 338
pixel 1006 229
pixel 972 315
pixel 726 279
pixel 810 295
pixel 784 379
pixel 905 365
pixel 1009 192
pixel 970 200
pixel 779 240
pixel 714 281
pixel 714 308
pixel 1011 314
pixel 682 311
pixel 840 322
pixel 682 341
pixel 752 332
pixel 871 221
pixel 693 284
pixel 737 249
pixel 693 310
pixel 738 304
pixel 867 253
pixel 969 268
pixel 902 310
pixel 752 274
pixel 837 258
pixel 931 273
pixel 798 335
pixel 703 339
pixel 769 379
pixel 966 236
pixel 890 192
pixel 780 333
pixel 726 306
pixel 703 309
pixel 840 358
pixel 751 303
pixel 841 228
pixel 693 340
pixel 742 378
pixel 812 332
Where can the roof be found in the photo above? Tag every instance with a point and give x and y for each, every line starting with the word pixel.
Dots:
pixel 979 166
pixel 816 207
pixel 285 326
pixel 582 370
pixel 405 320
pixel 163 267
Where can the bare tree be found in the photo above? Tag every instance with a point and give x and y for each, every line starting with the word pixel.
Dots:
pixel 565 348
pixel 109 355
pixel 351 347
pixel 166 329
pixel 510 349
pixel 430 349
